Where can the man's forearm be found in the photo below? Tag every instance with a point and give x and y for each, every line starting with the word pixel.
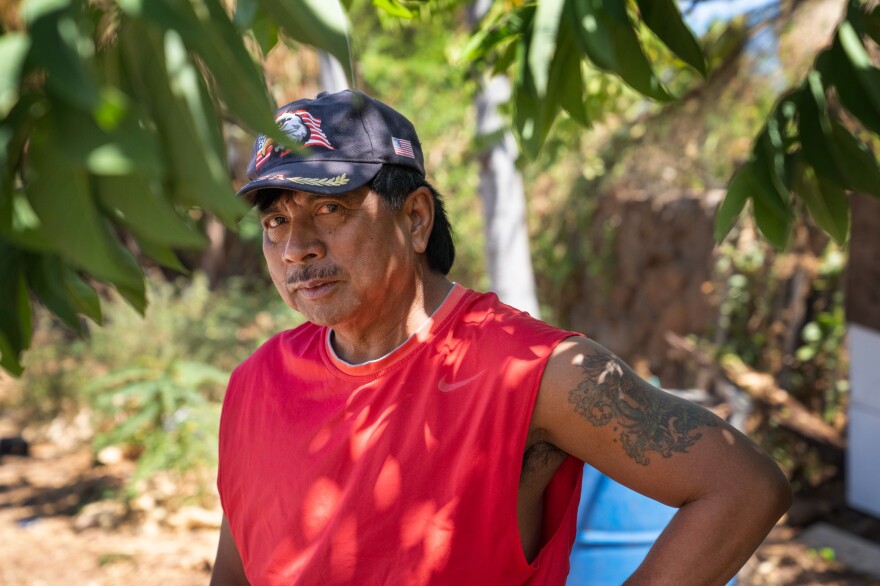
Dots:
pixel 710 539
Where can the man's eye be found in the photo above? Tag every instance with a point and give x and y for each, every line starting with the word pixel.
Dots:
pixel 328 208
pixel 274 222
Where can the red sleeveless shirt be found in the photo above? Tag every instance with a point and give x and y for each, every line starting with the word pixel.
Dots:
pixel 404 470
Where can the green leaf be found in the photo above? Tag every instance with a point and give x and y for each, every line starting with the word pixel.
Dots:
pixel 835 64
pixel 567 77
pixel 321 23
pixel 827 204
pixel 664 18
pixel 769 165
pixel 198 175
pixel 394 8
pixel 594 39
pixel 814 128
pixel 265 31
pixel 506 27
pixel 14 131
pixel 63 51
pixel 133 202
pixel 774 227
pixel 770 198
pixel 25 229
pixel 59 193
pixel 530 114
pixel 162 254
pixel 113 151
pixel 13 50
pixel 83 297
pixel 857 163
pixel 15 312
pixel 43 272
pixel 543 42
pixel 608 38
pixel 136 295
pixel 209 33
pixel 741 189
pixel 868 75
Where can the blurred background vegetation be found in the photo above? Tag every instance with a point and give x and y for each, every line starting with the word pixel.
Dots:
pixel 620 217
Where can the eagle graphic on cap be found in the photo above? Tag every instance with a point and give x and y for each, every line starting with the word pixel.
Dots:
pixel 301 127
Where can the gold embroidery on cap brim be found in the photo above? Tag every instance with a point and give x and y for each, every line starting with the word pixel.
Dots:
pixel 323 181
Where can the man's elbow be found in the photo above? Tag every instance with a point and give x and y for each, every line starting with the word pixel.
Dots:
pixel 770 490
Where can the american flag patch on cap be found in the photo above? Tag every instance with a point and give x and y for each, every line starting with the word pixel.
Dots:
pixel 402 147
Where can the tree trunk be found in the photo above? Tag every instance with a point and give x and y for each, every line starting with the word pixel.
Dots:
pixel 501 190
pixel 330 73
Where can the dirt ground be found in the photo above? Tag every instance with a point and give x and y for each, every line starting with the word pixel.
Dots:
pixel 56 530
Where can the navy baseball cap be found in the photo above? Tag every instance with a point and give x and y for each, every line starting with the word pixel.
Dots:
pixel 347 137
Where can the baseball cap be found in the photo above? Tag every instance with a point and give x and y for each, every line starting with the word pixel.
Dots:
pixel 345 137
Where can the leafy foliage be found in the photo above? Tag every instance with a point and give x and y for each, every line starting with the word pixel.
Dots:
pixel 805 149
pixel 110 124
pixel 153 383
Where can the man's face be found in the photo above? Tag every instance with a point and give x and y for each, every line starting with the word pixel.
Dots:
pixel 339 260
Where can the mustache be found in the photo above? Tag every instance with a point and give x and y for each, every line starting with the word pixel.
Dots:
pixel 311 272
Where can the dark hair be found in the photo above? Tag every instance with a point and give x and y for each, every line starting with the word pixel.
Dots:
pixel 394 183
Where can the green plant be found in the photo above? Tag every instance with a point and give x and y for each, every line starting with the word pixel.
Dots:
pixel 160 410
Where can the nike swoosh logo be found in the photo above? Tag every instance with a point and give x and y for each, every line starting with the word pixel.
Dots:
pixel 446 387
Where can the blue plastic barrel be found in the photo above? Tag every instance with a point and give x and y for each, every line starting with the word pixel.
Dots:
pixel 616 528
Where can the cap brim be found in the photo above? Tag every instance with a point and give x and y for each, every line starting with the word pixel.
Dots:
pixel 325 177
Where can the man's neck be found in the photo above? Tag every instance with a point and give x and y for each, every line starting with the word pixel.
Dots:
pixel 356 346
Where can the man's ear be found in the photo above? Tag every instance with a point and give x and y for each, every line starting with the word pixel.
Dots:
pixel 419 211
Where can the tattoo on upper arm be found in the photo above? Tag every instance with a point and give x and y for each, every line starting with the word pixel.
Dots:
pixel 647 419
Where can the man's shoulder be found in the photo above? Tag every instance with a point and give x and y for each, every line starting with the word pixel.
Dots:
pixel 299 341
pixel 501 327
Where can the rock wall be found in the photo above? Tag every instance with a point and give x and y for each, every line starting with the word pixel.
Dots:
pixel 654 256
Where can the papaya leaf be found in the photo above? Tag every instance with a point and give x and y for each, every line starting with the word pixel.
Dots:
pixel 664 18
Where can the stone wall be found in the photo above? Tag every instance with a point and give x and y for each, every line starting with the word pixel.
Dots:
pixel 655 256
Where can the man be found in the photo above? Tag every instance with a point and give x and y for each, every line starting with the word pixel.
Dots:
pixel 417 432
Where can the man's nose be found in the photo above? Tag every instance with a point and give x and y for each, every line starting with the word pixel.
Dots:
pixel 303 245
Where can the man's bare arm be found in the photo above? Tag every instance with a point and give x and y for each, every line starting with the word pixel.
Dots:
pixel 729 493
pixel 228 569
